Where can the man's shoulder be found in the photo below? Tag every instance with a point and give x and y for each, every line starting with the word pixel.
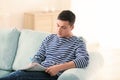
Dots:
pixel 51 36
pixel 79 39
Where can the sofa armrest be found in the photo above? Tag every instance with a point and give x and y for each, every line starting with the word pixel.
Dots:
pixel 73 74
pixel 88 73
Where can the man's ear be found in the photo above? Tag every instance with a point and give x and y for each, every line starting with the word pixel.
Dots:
pixel 72 27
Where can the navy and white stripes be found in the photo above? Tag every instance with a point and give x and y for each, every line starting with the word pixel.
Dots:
pixel 56 50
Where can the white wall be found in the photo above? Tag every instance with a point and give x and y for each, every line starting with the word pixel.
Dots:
pixel 85 25
pixel 98 21
pixel 108 22
pixel 11 11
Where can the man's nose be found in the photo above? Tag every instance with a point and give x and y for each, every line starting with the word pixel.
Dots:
pixel 59 29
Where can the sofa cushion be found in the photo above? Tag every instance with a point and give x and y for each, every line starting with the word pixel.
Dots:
pixel 8 46
pixel 29 42
pixel 4 73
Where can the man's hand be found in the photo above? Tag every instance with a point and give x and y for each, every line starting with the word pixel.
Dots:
pixel 53 70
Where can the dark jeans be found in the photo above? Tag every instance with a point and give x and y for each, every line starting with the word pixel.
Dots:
pixel 29 75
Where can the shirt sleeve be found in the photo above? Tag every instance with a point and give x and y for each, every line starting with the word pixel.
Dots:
pixel 82 57
pixel 40 55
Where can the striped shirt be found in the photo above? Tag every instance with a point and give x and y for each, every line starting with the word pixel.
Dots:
pixel 56 50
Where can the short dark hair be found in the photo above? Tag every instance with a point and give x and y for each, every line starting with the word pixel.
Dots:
pixel 67 15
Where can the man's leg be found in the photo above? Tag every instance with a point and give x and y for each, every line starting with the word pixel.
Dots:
pixel 29 75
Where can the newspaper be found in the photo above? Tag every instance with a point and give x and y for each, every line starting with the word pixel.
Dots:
pixel 37 67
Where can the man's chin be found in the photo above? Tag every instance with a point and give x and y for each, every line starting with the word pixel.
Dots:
pixel 59 35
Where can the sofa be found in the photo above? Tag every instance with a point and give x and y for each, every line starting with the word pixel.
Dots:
pixel 17 47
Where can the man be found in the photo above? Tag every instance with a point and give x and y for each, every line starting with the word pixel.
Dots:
pixel 57 53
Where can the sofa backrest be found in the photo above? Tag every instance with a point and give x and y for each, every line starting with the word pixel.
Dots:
pixel 8 46
pixel 29 43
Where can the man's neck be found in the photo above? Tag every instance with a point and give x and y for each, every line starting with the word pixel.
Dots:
pixel 70 35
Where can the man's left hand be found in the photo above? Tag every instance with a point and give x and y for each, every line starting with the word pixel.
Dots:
pixel 53 70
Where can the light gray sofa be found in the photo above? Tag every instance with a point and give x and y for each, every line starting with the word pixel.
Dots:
pixel 17 47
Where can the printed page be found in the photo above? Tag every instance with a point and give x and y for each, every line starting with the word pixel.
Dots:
pixel 37 67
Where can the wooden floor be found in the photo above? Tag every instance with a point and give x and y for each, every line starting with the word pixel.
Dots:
pixel 111 68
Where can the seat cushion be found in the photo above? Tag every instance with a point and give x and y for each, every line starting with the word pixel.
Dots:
pixel 29 43
pixel 8 46
pixel 4 73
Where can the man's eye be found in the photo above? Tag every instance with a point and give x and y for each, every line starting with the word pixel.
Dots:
pixel 64 27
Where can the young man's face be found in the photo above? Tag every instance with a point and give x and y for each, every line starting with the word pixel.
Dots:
pixel 64 28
